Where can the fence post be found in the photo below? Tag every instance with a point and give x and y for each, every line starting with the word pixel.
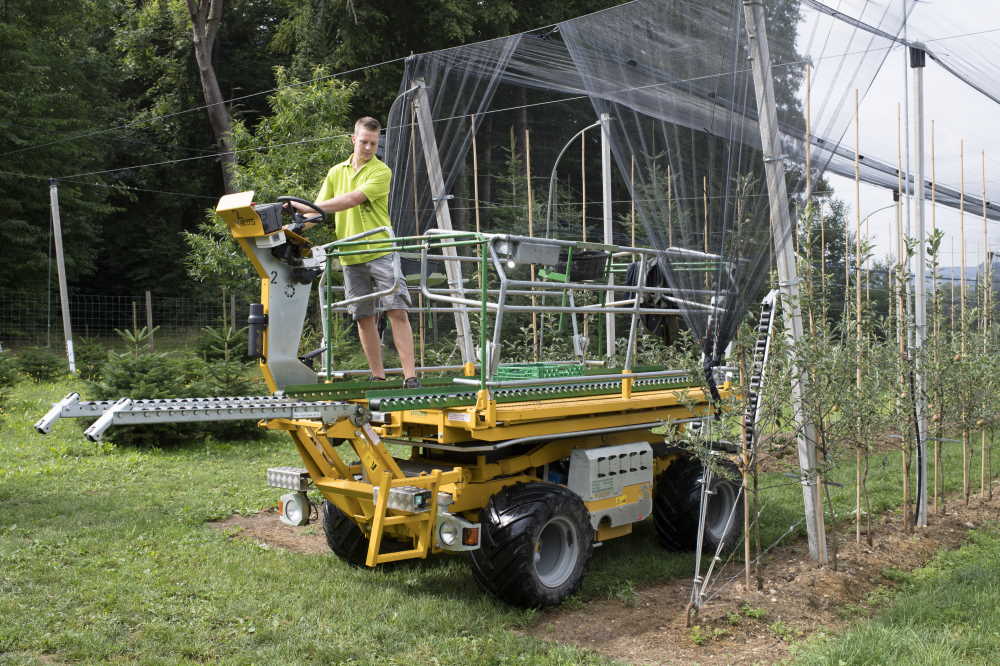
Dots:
pixel 149 317
pixel 61 266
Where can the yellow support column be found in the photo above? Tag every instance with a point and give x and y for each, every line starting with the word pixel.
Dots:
pixel 378 520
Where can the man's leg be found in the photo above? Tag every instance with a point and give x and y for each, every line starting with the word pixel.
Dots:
pixel 402 335
pixel 372 346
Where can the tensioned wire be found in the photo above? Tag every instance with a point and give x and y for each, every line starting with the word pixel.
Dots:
pixel 293 85
pixel 339 74
pixel 436 120
pixel 826 149
pixel 268 91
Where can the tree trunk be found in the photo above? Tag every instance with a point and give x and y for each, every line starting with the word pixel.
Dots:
pixel 206 17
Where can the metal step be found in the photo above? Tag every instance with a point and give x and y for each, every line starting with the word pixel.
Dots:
pixel 127 411
pixel 765 328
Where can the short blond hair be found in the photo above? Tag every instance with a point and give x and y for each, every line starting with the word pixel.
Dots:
pixel 368 123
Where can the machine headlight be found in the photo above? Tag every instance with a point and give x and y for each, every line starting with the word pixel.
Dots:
pixel 294 509
pixel 448 533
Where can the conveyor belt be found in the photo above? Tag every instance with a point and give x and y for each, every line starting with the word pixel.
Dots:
pixel 391 401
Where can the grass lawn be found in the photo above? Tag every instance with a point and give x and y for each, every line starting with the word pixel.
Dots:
pixel 105 556
pixel 946 613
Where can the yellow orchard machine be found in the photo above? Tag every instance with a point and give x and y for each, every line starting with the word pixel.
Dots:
pixel 523 466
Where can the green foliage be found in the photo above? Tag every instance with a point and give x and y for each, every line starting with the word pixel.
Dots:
pixel 55 63
pixel 224 343
pixel 41 364
pixel 285 153
pixel 308 131
pixel 9 372
pixel 138 339
pixel 143 374
pixel 9 376
pixel 346 35
pixel 90 355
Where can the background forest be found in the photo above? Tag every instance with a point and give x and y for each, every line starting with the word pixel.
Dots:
pixel 109 98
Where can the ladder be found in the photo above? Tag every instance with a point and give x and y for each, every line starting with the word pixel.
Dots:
pixel 127 411
pixel 761 352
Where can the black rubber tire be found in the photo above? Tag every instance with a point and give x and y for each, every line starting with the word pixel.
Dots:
pixel 344 536
pixel 535 545
pixel 676 500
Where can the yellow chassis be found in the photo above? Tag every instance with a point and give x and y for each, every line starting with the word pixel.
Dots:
pixel 471 485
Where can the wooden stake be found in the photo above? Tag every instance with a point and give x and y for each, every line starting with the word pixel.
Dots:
pixel 670 208
pixel 966 486
pixel 857 378
pixel 808 145
pixel 583 188
pixel 583 213
pixel 475 172
pixel 901 323
pixel 704 199
pixel 984 294
pixel 632 196
pixel 936 332
pixel 535 343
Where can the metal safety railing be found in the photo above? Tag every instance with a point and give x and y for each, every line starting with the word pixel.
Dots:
pixel 494 292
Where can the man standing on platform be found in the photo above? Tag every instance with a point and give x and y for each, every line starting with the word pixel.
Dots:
pixel 357 192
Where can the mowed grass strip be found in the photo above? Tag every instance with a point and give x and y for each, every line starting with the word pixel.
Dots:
pixel 105 556
pixel 946 613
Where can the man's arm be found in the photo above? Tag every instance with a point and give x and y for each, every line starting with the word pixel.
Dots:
pixel 334 205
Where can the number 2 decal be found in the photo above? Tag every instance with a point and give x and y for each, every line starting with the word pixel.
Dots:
pixel 274 277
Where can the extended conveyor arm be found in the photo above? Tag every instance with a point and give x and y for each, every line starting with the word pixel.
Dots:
pixel 127 411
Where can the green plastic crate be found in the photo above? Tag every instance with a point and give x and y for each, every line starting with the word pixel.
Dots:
pixel 538 370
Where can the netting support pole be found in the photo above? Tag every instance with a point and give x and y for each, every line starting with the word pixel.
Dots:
pixel 782 234
pixel 609 319
pixel 917 263
pixel 61 268
pixel 452 269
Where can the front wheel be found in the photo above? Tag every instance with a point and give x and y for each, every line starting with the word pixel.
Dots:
pixel 343 535
pixel 536 542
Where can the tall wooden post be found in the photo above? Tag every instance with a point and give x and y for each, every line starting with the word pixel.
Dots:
pixel 61 268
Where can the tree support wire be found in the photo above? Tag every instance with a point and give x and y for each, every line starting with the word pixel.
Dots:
pixel 781 234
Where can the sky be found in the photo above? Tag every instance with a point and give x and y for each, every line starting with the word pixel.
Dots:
pixel 967 29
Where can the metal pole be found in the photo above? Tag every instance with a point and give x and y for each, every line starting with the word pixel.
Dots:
pixel 782 232
pixel 917 263
pixel 609 319
pixel 61 267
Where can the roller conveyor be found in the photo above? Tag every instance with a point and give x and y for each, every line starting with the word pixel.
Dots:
pixel 127 411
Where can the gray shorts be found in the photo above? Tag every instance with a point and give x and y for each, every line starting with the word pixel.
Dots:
pixel 371 277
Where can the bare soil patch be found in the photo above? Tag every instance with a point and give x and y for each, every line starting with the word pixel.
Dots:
pixel 267 529
pixel 791 599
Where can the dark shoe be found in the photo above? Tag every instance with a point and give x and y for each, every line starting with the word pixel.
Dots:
pixel 373 378
pixel 411 383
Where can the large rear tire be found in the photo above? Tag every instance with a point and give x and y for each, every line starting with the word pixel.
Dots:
pixel 536 542
pixel 676 503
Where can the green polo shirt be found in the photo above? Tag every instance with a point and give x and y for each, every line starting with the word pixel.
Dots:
pixel 373 179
